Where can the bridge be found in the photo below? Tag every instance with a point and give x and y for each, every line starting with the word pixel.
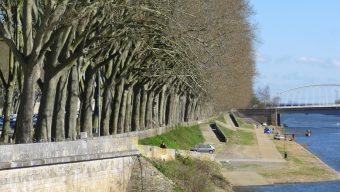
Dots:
pixel 319 97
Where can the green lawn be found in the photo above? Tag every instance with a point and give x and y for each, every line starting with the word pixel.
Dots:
pixel 239 137
pixel 221 119
pixel 180 138
pixel 243 124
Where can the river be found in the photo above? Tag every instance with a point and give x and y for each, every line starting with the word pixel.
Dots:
pixel 324 143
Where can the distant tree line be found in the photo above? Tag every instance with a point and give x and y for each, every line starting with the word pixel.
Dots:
pixel 112 66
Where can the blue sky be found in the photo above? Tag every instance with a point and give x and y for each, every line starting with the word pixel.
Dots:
pixel 299 43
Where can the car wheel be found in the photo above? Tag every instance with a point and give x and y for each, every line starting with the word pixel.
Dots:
pixel 211 151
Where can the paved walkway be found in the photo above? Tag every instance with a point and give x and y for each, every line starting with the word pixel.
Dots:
pixel 267 147
pixel 263 153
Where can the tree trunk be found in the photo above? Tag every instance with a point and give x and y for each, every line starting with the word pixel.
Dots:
pixel 106 110
pixel 96 113
pixel 72 105
pixel 143 108
pixel 155 111
pixel 175 110
pixel 136 109
pixel 44 125
pixel 127 124
pixel 122 112
pixel 162 109
pixel 193 110
pixel 86 110
pixel 183 106
pixel 187 109
pixel 169 108
pixel 149 110
pixel 24 119
pixel 116 106
pixel 58 122
pixel 7 113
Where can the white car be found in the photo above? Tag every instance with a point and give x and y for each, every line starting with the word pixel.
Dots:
pixel 279 137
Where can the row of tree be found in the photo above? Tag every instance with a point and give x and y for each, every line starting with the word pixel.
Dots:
pixel 109 67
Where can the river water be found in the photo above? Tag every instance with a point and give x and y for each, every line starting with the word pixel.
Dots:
pixel 324 143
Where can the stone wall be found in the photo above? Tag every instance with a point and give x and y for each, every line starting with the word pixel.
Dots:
pixel 98 175
pixel 33 154
pixel 99 164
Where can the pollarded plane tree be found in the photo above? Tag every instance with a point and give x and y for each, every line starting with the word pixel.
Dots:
pixel 87 38
pixel 125 103
pixel 169 79
pixel 47 31
pixel 140 65
pixel 43 24
pixel 9 69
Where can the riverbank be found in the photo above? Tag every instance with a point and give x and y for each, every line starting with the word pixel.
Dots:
pixel 258 164
pixel 250 157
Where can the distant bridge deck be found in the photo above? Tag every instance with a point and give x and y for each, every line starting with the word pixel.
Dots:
pixel 272 115
pixel 332 106
pixel 272 110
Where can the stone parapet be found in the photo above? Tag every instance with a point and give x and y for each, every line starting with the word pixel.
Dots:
pixel 36 154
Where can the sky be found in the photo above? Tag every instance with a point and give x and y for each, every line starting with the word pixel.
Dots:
pixel 298 43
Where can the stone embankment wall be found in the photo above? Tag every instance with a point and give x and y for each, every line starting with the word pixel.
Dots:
pixel 101 164
pixel 96 164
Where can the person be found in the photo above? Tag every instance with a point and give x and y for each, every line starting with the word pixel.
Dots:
pixel 163 146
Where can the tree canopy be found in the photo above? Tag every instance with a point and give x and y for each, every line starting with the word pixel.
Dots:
pixel 122 65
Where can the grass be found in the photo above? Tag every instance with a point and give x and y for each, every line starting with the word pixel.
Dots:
pixel 239 137
pixel 302 165
pixel 221 119
pixel 180 138
pixel 193 175
pixel 290 157
pixel 243 124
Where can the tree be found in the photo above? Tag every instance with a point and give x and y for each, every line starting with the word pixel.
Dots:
pixel 144 63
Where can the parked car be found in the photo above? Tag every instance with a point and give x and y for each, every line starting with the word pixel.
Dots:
pixel 268 130
pixel 203 148
pixel 279 137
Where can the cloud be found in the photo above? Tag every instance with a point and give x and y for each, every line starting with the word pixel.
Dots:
pixel 336 62
pixel 310 60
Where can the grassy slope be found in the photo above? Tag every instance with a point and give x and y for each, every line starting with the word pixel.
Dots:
pixel 242 123
pixel 239 137
pixel 221 119
pixel 180 138
pixel 193 175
